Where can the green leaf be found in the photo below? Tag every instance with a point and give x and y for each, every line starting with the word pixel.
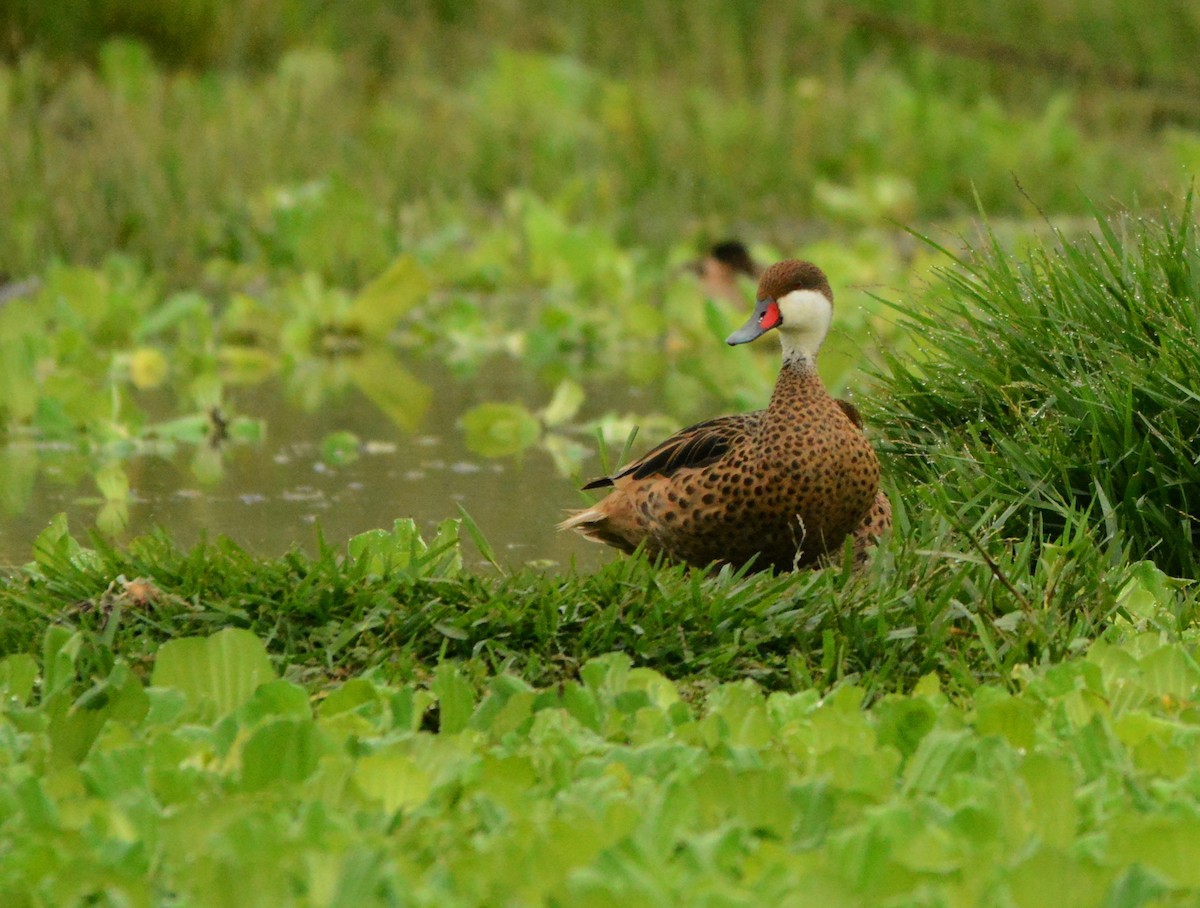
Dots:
pixel 1169 844
pixel 60 648
pixel 113 483
pixel 903 722
pixel 276 698
pixel 178 308
pixel 1146 592
pixel 1170 671
pixel 390 296
pixel 18 673
pixel 998 713
pixel 340 448
pixel 507 706
pixel 119 697
pixel 498 430
pixel 1050 876
pixel 1051 783
pixel 567 399
pixel 456 698
pixel 56 550
pixel 349 697
pixel 403 549
pixel 284 750
pixel 399 394
pixel 224 669
pixel 193 429
pixel 394 779
pixel 478 539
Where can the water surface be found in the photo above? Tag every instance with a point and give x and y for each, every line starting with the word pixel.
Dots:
pixel 279 494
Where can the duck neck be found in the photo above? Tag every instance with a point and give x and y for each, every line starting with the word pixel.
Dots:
pixel 798 381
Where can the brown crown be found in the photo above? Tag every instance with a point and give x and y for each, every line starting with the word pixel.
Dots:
pixel 784 277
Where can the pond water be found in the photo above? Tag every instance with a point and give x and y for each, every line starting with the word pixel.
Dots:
pixel 278 494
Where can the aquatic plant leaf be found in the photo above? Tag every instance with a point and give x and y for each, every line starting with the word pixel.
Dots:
pixel 499 430
pixel 392 778
pixel 208 465
pixel 247 430
pixel 456 698
pixel 567 399
pixel 178 309
pixel 148 368
pixel 339 448
pixel 18 673
pixel 1051 782
pixel 224 669
pixel 1147 590
pixel 1170 672
pixel 445 552
pixel 389 297
pixel 119 697
pixel 283 750
pixel 999 713
pixel 18 357
pixel 401 396
pixel 192 429
pixel 112 518
pixel 55 549
pixel 113 482
pixel 566 453
pixel 19 467
pixel 403 549
pixel 246 365
pixel 279 698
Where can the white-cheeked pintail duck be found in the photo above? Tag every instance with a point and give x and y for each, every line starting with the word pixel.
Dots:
pixel 718 272
pixel 780 487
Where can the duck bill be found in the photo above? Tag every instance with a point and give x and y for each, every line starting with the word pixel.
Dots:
pixel 766 316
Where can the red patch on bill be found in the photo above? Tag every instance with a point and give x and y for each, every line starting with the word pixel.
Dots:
pixel 771 317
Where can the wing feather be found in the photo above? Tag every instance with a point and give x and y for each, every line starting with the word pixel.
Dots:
pixel 696 446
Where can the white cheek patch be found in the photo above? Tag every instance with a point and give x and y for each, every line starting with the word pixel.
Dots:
pixel 806 317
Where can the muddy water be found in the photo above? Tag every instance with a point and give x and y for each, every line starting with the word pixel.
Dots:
pixel 280 493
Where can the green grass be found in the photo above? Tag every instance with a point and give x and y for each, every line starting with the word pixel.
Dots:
pixel 1063 383
pixel 948 595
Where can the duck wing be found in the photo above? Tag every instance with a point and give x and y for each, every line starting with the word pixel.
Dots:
pixel 850 410
pixel 696 446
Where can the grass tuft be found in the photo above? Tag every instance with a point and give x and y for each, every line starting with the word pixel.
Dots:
pixel 1064 385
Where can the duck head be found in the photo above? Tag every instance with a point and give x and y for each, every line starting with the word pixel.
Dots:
pixel 720 269
pixel 795 298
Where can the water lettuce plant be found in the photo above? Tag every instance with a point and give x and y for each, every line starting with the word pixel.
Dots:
pixel 213 781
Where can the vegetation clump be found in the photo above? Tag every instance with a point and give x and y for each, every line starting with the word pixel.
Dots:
pixel 1064 381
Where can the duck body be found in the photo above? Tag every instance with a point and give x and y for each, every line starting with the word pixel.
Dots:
pixel 778 488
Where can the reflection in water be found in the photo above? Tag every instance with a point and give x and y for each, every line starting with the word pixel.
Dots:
pixel 279 494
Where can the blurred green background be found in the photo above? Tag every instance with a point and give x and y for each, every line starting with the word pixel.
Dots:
pixel 155 127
